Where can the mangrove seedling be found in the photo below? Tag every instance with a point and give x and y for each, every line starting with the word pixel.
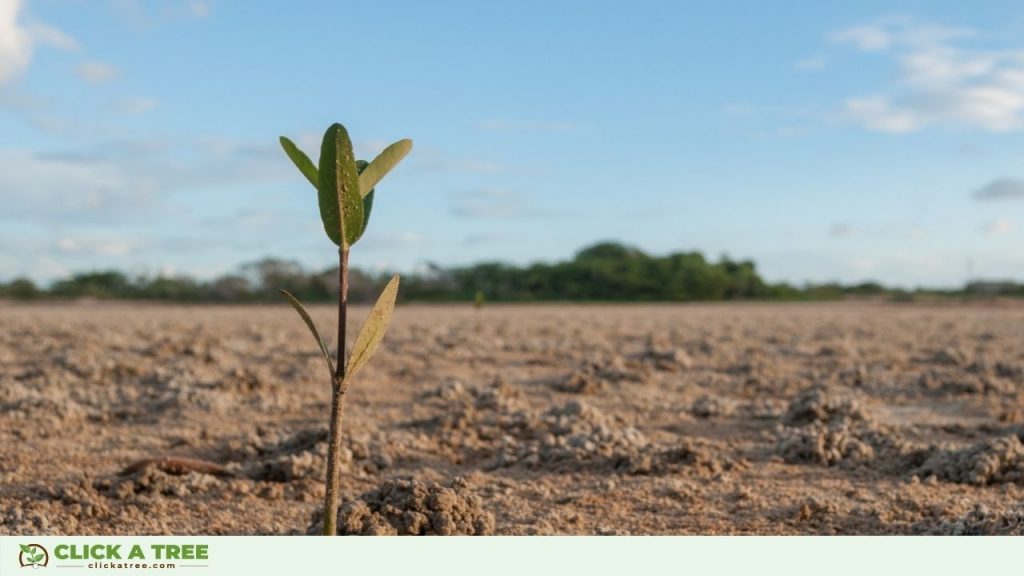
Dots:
pixel 345 189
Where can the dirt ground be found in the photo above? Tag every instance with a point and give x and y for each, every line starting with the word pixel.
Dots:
pixel 692 419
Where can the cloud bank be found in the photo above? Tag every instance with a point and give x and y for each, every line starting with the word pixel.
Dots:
pixel 942 80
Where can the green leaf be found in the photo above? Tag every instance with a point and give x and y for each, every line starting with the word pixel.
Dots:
pixel 367 200
pixel 26 549
pixel 367 208
pixel 383 164
pixel 373 329
pixel 312 328
pixel 341 204
pixel 37 559
pixel 301 161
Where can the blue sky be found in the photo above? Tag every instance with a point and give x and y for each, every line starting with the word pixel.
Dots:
pixel 825 141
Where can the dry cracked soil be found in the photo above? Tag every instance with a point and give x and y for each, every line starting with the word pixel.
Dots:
pixel 851 418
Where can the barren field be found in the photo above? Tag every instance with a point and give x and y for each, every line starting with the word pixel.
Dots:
pixel 696 419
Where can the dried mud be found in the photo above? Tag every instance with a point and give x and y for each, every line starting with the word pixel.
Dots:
pixel 699 419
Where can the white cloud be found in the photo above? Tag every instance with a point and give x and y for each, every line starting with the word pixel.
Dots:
pixel 198 9
pixel 127 202
pixel 490 209
pixel 135 106
pixel 18 40
pixel 492 203
pixel 175 10
pixel 390 240
pixel 94 246
pixel 867 38
pixel 876 230
pixel 96 72
pixel 487 238
pixel 790 132
pixel 877 113
pixel 998 227
pixel 811 64
pixel 941 81
pixel 938 66
pixel 737 110
pixel 53 37
pixel 148 14
pixel 15 41
pixel 53 189
pixel 122 181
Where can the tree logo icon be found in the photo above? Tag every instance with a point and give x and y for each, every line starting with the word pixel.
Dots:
pixel 33 555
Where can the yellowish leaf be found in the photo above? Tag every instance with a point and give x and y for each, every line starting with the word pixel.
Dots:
pixel 373 329
pixel 382 164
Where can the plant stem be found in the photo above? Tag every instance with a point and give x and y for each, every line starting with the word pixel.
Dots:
pixel 337 406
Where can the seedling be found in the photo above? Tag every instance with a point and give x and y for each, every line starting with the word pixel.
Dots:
pixel 345 192
pixel 31 555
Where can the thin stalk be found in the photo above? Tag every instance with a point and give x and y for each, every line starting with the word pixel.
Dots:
pixel 337 406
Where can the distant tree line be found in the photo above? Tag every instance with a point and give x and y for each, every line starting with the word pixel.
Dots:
pixel 606 272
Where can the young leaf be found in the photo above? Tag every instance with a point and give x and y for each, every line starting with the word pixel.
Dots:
pixel 341 204
pixel 383 164
pixel 373 329
pixel 367 200
pixel 312 328
pixel 26 549
pixel 367 208
pixel 301 161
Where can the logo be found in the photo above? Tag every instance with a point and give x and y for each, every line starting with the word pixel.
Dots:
pixel 33 555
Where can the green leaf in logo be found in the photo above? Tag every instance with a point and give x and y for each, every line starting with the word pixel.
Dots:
pixel 25 549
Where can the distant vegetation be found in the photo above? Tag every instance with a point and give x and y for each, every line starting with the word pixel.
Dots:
pixel 605 272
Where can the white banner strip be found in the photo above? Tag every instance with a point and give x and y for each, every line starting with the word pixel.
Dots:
pixel 514 556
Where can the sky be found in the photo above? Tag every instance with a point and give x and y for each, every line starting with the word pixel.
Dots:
pixel 825 141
